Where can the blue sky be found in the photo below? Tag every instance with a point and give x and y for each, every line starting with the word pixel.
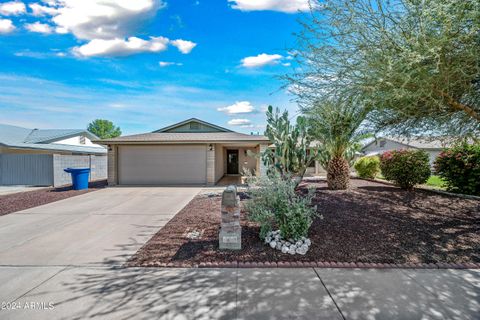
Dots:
pixel 144 64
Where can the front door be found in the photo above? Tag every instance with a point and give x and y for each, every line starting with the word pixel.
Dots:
pixel 232 161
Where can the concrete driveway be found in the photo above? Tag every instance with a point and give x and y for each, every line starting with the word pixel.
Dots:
pixel 98 228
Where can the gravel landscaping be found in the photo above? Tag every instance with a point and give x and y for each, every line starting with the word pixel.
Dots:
pixel 371 223
pixel 24 200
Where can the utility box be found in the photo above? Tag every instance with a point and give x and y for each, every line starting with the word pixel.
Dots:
pixel 230 237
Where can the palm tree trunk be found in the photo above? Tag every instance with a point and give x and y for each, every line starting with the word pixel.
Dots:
pixel 338 174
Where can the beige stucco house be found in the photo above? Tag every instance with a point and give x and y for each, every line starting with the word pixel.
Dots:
pixel 433 146
pixel 191 152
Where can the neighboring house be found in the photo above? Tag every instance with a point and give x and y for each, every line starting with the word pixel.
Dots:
pixel 191 152
pixel 15 139
pixel 38 157
pixel 431 145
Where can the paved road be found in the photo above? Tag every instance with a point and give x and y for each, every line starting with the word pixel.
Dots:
pixel 63 261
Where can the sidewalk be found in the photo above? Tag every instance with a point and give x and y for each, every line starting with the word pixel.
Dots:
pixel 69 292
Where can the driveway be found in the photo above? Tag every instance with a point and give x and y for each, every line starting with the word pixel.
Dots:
pixel 99 228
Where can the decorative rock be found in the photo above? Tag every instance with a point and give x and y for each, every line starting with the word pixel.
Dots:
pixel 274 240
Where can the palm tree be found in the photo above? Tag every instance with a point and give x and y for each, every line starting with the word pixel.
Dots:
pixel 336 125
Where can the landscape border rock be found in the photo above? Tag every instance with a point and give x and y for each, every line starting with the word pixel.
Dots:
pixel 312 264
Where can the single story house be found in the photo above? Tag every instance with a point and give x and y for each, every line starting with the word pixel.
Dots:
pixel 38 156
pixel 191 152
pixel 433 146
pixel 15 139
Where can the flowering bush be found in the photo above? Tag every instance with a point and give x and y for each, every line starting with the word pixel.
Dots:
pixel 367 167
pixel 405 168
pixel 274 203
pixel 459 167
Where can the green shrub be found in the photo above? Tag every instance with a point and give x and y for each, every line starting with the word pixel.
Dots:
pixel 367 167
pixel 405 168
pixel 459 167
pixel 274 204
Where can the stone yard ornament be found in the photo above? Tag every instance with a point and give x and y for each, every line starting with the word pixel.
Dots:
pixel 230 236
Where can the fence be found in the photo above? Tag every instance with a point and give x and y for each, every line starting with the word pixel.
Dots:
pixel 47 169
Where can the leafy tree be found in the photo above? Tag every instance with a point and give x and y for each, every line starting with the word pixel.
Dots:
pixel 416 62
pixel 290 156
pixel 336 126
pixel 104 129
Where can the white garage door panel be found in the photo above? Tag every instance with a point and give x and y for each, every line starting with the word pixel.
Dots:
pixel 157 165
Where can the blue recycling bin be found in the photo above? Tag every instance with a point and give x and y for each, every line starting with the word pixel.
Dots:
pixel 79 177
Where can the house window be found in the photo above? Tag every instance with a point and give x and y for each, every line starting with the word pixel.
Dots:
pixel 382 143
pixel 194 126
pixel 82 139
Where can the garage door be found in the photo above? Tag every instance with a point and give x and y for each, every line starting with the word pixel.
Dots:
pixel 162 165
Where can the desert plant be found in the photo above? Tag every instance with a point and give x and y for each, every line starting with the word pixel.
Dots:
pixel 274 203
pixel 459 167
pixel 367 167
pixel 406 168
pixel 335 124
pixel 290 156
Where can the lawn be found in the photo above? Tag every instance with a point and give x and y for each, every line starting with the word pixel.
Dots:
pixel 371 223
pixel 436 182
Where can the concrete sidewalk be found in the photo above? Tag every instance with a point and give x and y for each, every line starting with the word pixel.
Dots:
pixel 152 293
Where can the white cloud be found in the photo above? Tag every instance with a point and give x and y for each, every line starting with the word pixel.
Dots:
pixel 167 63
pixel 184 46
pixel 287 6
pixel 12 8
pixel 261 60
pixel 107 26
pixel 238 107
pixel 121 47
pixel 104 19
pixel 240 122
pixel 40 10
pixel 6 26
pixel 39 27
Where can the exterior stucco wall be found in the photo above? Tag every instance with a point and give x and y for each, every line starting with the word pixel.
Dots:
pixel 75 141
pixel 376 148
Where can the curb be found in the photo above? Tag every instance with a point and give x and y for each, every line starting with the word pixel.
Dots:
pixel 311 264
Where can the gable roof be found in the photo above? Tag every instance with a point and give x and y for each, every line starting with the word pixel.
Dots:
pixel 418 142
pixel 186 137
pixel 41 139
pixel 182 123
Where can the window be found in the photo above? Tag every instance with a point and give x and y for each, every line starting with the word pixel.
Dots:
pixel 382 143
pixel 82 139
pixel 194 126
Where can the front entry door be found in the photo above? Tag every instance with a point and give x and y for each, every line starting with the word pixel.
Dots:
pixel 232 161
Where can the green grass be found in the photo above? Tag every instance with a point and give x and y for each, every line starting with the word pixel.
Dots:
pixel 435 181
